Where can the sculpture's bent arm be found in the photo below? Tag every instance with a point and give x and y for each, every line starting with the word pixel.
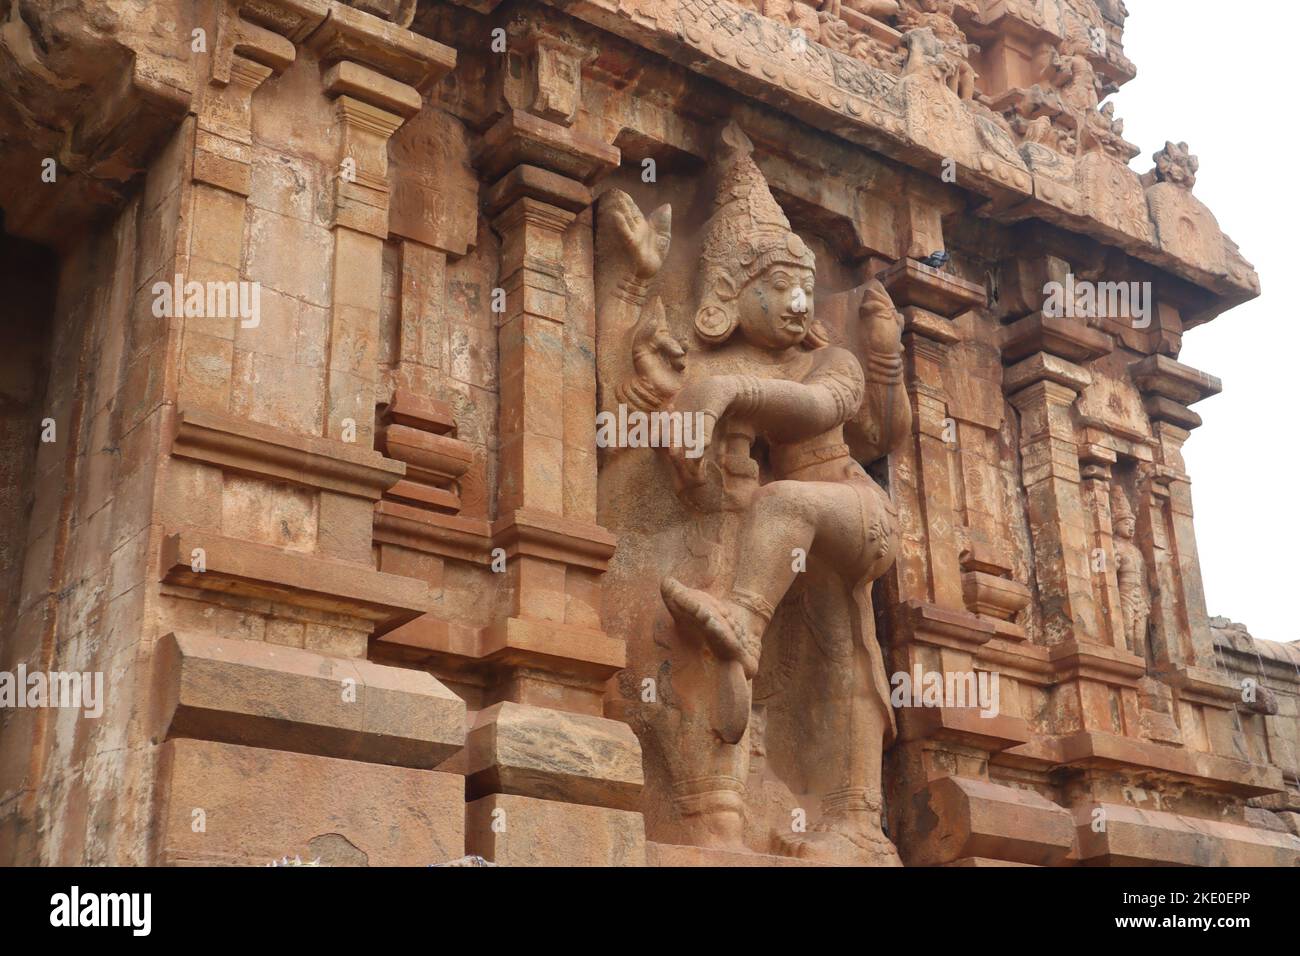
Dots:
pixel 885 417
pixel 791 411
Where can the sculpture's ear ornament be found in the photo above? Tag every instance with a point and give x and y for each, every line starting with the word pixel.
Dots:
pixel 717 315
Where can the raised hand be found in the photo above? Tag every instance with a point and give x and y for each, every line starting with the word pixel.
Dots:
pixel 646 240
pixel 657 356
pixel 883 323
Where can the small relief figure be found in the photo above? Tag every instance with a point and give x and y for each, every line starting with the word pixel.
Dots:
pixel 1131 570
pixel 1042 132
pixel 770 478
pixel 937 17
pixel 1103 131
pixel 799 16
pixel 1074 75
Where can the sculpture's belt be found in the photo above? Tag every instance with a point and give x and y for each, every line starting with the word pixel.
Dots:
pixel 788 461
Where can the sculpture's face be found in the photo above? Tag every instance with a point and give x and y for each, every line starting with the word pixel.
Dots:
pixel 776 308
pixel 1126 527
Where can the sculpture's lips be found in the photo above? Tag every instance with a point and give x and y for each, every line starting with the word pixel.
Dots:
pixel 794 321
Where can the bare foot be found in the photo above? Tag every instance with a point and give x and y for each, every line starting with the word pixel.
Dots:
pixel 846 840
pixel 712 619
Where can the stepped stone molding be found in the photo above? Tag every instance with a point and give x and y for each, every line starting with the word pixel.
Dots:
pixel 249 448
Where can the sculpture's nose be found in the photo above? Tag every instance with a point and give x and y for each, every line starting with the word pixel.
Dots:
pixel 800 301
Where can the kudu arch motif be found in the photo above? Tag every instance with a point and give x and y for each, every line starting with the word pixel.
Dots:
pixel 756 652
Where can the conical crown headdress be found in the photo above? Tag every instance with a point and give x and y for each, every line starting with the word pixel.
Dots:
pixel 747 233
pixel 1120 509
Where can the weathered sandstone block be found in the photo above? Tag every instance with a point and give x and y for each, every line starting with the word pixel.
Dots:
pixel 512 830
pixel 260 694
pixel 536 752
pixel 225 805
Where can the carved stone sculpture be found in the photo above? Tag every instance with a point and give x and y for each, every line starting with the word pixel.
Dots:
pixel 936 16
pixel 1176 164
pixel 310 306
pixel 1131 571
pixel 1076 77
pixel 764 568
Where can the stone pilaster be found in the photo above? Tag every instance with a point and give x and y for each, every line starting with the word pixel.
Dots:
pixel 1043 388
pixel 547 656
pixel 245 56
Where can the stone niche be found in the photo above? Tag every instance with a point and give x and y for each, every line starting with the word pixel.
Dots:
pixel 612 432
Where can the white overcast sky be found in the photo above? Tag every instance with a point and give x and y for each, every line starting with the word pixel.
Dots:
pixel 1229 97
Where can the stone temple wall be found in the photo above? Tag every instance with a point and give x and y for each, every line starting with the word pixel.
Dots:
pixel 318 315
pixel 1271 721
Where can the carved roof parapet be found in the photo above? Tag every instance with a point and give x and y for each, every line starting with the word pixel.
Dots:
pixel 912 118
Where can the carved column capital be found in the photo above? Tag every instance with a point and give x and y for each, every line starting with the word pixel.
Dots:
pixel 245 55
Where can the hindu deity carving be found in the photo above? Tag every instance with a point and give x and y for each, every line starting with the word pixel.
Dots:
pixel 1075 76
pixel 767 534
pixel 936 16
pixel 1103 131
pixel 1131 571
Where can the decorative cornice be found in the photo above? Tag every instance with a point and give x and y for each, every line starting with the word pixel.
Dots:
pixel 914 283
pixel 1161 375
pixel 538 535
pixel 451 536
pixel 403 55
pixel 520 138
pixel 829 90
pixel 1070 339
pixel 1210 771
pixel 232 566
pixel 1074 660
pixel 926 623
pixel 258 694
pixel 238 445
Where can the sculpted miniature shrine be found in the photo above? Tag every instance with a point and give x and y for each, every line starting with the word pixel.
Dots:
pixel 611 433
